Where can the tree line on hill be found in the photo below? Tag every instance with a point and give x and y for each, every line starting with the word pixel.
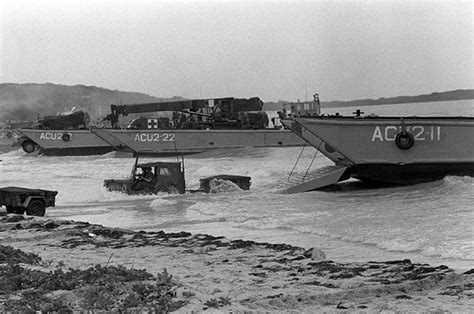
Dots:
pixel 28 102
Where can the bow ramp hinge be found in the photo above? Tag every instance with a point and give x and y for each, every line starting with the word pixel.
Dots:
pixel 108 137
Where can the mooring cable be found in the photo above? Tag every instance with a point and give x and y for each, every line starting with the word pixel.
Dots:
pixel 301 153
pixel 314 157
pixel 311 164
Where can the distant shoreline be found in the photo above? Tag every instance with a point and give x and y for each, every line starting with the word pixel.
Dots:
pixel 433 97
pixel 460 94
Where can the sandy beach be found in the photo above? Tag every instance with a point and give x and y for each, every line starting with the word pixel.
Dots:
pixel 205 273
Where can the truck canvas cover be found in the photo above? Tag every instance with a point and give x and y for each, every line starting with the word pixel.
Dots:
pixel 75 120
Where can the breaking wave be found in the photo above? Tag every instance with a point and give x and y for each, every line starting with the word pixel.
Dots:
pixel 220 186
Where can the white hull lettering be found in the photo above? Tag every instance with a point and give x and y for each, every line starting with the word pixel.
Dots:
pixel 420 133
pixel 53 136
pixel 390 133
pixel 154 137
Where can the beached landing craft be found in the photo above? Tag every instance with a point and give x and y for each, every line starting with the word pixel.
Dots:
pixel 399 150
pixel 186 127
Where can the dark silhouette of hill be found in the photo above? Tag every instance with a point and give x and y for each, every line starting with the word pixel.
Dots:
pixel 442 96
pixel 20 102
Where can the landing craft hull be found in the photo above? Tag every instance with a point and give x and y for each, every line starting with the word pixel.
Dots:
pixel 155 142
pixel 197 141
pixel 80 142
pixel 368 145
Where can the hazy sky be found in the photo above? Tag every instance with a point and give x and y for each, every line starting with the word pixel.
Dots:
pixel 275 50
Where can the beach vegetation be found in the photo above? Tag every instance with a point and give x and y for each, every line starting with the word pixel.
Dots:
pixel 217 303
pixel 111 288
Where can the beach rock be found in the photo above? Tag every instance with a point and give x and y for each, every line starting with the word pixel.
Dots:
pixel 13 218
pixel 315 254
pixel 50 225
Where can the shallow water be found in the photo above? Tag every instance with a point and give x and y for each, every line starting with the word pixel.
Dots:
pixel 429 222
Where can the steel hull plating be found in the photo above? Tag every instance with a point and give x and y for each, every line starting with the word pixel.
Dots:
pixel 196 141
pixel 441 146
pixel 155 142
pixel 80 142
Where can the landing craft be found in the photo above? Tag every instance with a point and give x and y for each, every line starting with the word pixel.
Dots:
pixel 397 150
pixel 186 127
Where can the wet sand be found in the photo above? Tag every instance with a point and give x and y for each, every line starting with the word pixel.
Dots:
pixel 218 274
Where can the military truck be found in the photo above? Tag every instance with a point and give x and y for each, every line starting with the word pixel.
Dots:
pixel 34 201
pixel 166 177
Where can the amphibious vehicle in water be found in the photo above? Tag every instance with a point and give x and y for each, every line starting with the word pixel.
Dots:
pixel 168 177
pixel 151 178
pixel 398 150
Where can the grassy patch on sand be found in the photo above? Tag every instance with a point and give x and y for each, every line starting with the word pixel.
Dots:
pixel 111 288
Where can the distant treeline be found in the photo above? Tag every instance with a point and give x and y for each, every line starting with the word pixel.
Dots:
pixel 20 102
pixel 442 96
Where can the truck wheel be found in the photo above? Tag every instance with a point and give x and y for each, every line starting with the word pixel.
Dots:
pixel 28 146
pixel 35 208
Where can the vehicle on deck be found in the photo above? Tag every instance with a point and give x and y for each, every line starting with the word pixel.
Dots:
pixel 34 201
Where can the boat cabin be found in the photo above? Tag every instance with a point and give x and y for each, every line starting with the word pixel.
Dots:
pixel 305 108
